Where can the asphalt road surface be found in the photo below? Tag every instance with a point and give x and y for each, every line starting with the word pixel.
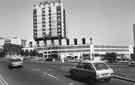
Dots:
pixel 45 74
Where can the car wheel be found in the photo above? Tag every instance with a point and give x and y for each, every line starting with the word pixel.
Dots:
pixel 91 80
pixel 107 79
pixel 10 67
pixel 72 73
pixel 21 66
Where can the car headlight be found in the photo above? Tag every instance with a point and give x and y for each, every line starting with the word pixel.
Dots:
pixel 98 75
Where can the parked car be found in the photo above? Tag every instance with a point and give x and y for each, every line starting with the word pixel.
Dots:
pixel 50 59
pixel 93 70
pixel 15 63
pixel 131 63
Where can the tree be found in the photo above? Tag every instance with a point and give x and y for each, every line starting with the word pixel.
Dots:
pixel 2 54
pixel 34 53
pixel 111 57
pixel 11 49
pixel 22 52
pixel 26 53
pixel 54 55
pixel 31 52
pixel 133 56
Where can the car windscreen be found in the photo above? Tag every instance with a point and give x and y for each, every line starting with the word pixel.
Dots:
pixel 15 60
pixel 100 66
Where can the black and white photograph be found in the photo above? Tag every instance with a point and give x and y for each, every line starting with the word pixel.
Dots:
pixel 67 42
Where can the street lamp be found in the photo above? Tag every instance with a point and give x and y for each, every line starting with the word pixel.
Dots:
pixel 91 49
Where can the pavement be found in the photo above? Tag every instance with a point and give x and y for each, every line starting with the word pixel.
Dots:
pixel 48 74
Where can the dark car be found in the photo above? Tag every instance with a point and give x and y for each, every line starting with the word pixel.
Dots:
pixel 92 70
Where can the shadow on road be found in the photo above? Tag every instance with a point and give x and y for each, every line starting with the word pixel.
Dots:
pixel 85 81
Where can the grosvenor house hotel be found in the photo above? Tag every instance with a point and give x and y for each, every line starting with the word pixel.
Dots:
pixel 49 21
pixel 49 26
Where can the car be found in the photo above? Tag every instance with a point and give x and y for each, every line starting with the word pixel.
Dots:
pixel 15 63
pixel 93 70
pixel 49 59
pixel 131 63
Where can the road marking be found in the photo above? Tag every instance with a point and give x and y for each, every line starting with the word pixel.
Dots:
pixel 35 69
pixel 45 73
pixel 2 80
pixel 52 76
pixel 71 83
pixel 49 69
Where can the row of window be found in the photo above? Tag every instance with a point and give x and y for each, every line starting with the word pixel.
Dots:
pixel 44 33
pixel 110 46
pixel 79 47
pixel 50 13
pixel 51 27
pixel 59 29
pixel 83 50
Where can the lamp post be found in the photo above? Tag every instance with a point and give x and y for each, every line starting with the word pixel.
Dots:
pixel 91 49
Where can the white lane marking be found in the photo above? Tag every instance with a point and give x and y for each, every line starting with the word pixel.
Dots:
pixel 35 69
pixel 1 83
pixel 3 80
pixel 71 83
pixel 49 69
pixel 45 73
pixel 52 76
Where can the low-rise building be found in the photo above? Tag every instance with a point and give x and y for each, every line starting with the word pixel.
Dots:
pixel 79 50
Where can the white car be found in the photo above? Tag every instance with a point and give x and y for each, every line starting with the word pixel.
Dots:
pixel 15 63
pixel 94 70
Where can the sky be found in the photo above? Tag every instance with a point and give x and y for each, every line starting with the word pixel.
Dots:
pixel 108 22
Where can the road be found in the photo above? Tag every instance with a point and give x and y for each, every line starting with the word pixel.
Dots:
pixel 45 74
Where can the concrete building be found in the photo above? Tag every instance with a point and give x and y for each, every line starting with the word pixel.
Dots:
pixel 49 22
pixel 78 49
pixel 12 40
pixel 49 26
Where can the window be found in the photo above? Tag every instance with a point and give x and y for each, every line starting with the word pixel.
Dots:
pixel 43 25
pixel 58 12
pixel 100 66
pixel 59 27
pixel 43 15
pixel 58 19
pixel 80 65
pixel 44 29
pixel 88 66
pixel 34 26
pixel 35 30
pixel 58 8
pixel 34 11
pixel 43 18
pixel 43 21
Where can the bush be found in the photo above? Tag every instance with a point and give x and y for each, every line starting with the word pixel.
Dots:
pixel 133 56
pixel 111 57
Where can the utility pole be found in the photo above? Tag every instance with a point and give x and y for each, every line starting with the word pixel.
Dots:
pixel 91 49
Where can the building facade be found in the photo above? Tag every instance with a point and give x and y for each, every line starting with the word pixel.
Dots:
pixel 79 50
pixel 49 21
